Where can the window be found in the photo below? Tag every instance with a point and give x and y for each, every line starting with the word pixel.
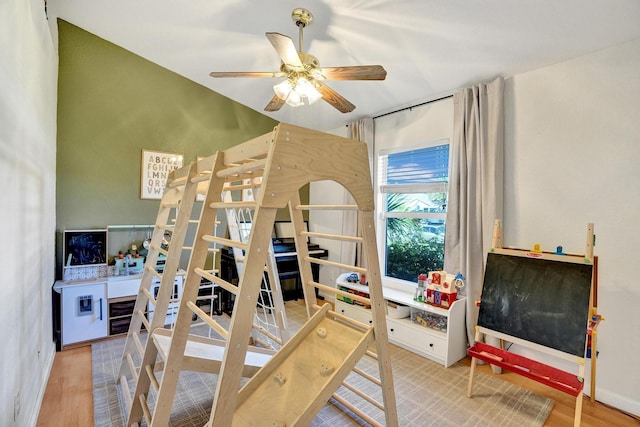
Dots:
pixel 413 187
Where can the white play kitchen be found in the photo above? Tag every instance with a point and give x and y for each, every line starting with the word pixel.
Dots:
pixel 97 294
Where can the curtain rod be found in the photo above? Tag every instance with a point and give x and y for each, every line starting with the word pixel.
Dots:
pixel 413 106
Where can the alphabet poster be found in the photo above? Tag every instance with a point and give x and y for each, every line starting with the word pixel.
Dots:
pixel 154 172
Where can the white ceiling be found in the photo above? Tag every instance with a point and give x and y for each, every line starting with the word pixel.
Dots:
pixel 430 48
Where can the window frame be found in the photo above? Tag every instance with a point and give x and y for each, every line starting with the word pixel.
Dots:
pixel 382 215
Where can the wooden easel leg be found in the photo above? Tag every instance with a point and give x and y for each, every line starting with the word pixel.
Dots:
pixel 578 415
pixel 594 356
pixel 471 372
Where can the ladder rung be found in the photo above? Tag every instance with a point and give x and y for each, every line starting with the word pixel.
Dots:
pixel 145 408
pixel 154 381
pixel 364 396
pixel 160 250
pixel 235 187
pixel 243 168
pixel 345 319
pixel 149 296
pixel 356 411
pixel 203 176
pixel 208 320
pixel 268 334
pixel 169 227
pixel 332 236
pixel 335 264
pixel 225 242
pixel 249 204
pixel 218 281
pixel 132 367
pixel 327 207
pixel 136 337
pixel 178 182
pixel 190 248
pixel 126 392
pixel 145 322
pixel 154 272
pixel 170 205
pixel 206 297
pixel 369 377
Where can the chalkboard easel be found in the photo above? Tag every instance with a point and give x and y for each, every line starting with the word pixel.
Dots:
pixel 540 300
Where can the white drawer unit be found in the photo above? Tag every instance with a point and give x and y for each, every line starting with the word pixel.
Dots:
pixel 84 312
pixel 418 339
pixel 433 332
pixel 355 312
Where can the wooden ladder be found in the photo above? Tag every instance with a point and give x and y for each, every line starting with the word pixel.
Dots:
pixel 173 217
pixel 203 353
pixel 328 346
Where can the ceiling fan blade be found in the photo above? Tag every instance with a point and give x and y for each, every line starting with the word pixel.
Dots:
pixel 286 49
pixel 360 72
pixel 339 102
pixel 275 104
pixel 246 74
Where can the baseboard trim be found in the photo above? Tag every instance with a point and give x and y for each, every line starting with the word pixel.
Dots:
pixel 48 365
pixel 618 401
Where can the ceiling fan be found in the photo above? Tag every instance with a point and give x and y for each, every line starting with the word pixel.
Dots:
pixel 304 76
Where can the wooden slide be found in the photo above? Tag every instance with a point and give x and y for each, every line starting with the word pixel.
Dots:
pixel 298 381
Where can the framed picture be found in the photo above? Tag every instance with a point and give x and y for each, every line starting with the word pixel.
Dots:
pixel 154 171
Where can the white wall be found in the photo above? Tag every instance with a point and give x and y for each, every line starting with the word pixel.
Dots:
pixel 28 79
pixel 572 156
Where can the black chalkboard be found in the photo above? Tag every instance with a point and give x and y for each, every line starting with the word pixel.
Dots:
pixel 541 301
pixel 85 247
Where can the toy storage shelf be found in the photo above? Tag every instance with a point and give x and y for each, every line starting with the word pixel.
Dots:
pixel 432 332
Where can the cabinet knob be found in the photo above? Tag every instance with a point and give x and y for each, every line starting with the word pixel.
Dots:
pixel 391 329
pixel 431 345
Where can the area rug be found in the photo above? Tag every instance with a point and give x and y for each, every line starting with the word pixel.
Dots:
pixel 427 394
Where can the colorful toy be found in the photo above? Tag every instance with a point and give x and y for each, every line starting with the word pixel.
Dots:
pixel 442 288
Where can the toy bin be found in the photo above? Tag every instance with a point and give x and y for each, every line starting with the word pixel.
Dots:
pixel 397 311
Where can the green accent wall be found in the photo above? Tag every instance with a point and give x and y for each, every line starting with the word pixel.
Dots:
pixel 111 105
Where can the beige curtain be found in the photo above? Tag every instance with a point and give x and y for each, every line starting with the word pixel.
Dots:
pixel 475 186
pixel 361 130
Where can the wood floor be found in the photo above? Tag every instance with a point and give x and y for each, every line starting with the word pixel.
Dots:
pixel 68 400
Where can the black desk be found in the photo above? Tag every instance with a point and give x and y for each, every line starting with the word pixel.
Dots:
pixel 287 264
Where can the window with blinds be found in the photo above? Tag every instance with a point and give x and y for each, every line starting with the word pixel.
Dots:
pixel 414 185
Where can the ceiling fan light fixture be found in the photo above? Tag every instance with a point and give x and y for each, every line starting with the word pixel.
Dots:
pixel 283 89
pixel 295 90
pixel 307 90
pixel 294 99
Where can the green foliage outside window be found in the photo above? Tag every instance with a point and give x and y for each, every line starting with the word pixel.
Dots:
pixel 411 250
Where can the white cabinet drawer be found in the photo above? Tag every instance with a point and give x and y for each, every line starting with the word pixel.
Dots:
pixel 123 288
pixel 418 338
pixel 354 312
